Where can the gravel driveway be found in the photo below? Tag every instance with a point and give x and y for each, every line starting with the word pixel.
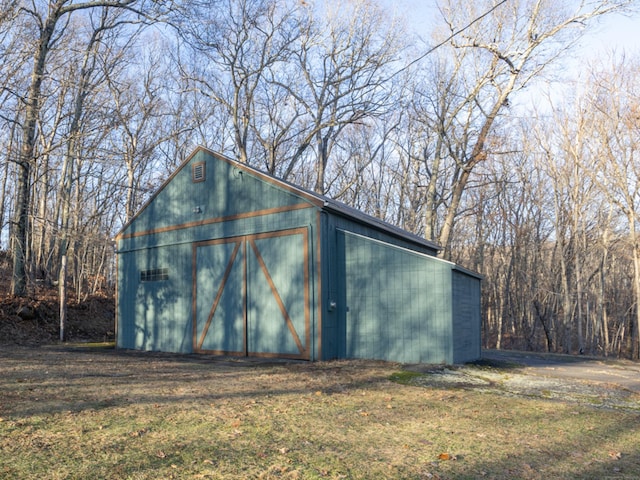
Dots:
pixel 623 373
pixel 586 380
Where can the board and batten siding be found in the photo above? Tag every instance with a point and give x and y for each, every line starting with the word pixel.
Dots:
pixel 226 202
pixel 229 201
pixel 333 270
pixel 396 303
pixel 466 316
pixel 153 314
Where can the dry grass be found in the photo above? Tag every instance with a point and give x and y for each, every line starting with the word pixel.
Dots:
pixel 102 414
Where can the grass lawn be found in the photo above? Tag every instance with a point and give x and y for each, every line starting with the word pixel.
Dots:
pixel 96 413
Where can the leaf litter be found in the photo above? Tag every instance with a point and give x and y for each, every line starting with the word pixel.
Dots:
pixel 112 414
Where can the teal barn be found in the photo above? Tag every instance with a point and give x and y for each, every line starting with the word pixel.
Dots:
pixel 227 260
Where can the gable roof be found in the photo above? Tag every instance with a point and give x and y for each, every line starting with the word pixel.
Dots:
pixel 320 201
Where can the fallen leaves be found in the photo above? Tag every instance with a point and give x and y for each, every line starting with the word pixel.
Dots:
pixel 446 456
pixel 238 429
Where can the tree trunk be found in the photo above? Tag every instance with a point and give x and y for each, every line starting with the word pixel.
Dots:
pixel 5 176
pixel 566 304
pixel 20 227
pixel 602 311
pixel 579 304
pixel 3 195
pixel 635 337
pixel 40 231
pixel 65 201
pixel 27 161
pixel 321 165
pixel 452 212
pixel 131 185
pixel 62 292
pixel 431 202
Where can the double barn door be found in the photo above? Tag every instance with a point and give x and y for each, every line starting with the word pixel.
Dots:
pixel 251 295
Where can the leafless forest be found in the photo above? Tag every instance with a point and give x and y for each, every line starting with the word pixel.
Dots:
pixel 457 133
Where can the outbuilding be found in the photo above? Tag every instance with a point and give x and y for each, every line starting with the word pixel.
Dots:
pixel 225 259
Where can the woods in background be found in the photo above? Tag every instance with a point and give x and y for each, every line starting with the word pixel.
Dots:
pixel 101 100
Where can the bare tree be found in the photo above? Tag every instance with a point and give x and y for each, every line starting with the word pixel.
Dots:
pixel 543 225
pixel 493 59
pixel 241 41
pixel 88 78
pixel 13 76
pixel 577 208
pixel 344 60
pixel 293 75
pixel 139 113
pixel 48 21
pixel 615 162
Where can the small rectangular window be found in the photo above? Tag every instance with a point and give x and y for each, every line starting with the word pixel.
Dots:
pixel 198 172
pixel 154 275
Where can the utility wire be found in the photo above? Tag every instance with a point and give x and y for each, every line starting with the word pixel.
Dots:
pixel 454 34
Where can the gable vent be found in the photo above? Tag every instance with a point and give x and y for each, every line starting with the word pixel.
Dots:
pixel 197 172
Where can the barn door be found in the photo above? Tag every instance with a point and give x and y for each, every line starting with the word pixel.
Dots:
pixel 251 295
pixel 219 291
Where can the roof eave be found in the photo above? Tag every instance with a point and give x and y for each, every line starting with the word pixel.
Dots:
pixel 366 219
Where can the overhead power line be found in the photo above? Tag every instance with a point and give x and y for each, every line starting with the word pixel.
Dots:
pixel 454 34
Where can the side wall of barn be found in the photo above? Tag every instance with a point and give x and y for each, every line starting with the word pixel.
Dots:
pixel 384 297
pixel 466 316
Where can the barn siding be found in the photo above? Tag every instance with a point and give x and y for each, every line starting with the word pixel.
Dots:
pixel 396 304
pixel 155 315
pixel 223 229
pixel 227 191
pixel 466 317
pixel 159 315
pixel 332 277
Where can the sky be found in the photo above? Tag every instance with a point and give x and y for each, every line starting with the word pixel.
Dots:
pixel 615 32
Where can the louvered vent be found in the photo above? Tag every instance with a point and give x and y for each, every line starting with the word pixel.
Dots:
pixel 198 172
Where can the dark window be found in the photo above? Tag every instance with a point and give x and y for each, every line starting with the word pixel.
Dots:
pixel 154 275
pixel 197 172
